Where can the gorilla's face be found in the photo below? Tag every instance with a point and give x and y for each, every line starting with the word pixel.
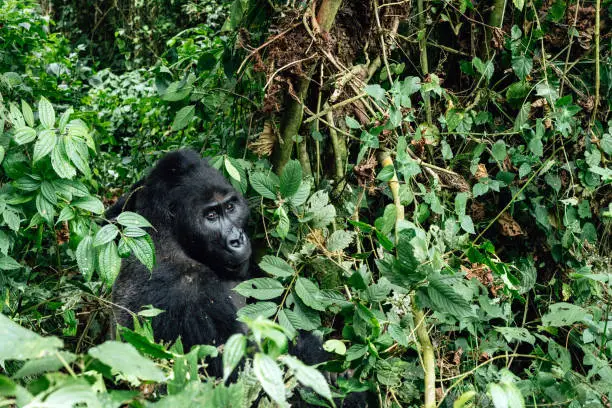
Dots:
pixel 213 233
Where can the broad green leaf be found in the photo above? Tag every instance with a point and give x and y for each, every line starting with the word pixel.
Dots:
pixel 519 4
pixel 282 228
pixel 522 65
pixel 376 92
pixel 290 179
pixel 264 309
pixel 143 249
pixel 467 224
pixel 536 147
pixel 46 113
pixel 335 346
pixel 307 291
pixel 78 154
pixel 308 376
pixel 563 314
pixel 90 203
pixel 45 364
pixel 18 343
pixel 276 266
pixel 516 334
pixel 48 191
pixel 2 153
pixel 132 219
pixel 300 197
pixel 446 300
pixel 86 257
pixel 183 117
pixel 44 208
pixel 461 203
pixel 231 170
pixel 45 144
pixel 260 288
pixel 125 359
pixel 339 240
pixel 233 351
pixel 134 232
pixel 270 377
pixel 28 115
pixel 8 264
pixel 24 135
pixel 109 263
pixel 352 123
pixel 64 118
pixel 105 234
pixel 499 150
pixel 522 116
pixel 386 173
pixel 464 400
pixel 263 185
pixel 484 68
pixel 60 162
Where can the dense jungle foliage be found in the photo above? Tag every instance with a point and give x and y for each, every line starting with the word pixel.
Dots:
pixel 428 180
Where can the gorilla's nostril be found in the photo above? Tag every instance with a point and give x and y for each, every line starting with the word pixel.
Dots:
pixel 236 240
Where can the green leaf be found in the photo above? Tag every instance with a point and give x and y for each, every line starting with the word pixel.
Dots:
pixel 60 162
pixel 480 189
pixel 276 266
pixel 307 291
pixel 134 232
pixel 18 343
pixel 467 224
pixel 282 228
pixel 376 92
pixel 499 150
pixel 446 300
pixel 563 314
pixel 522 116
pixel 45 144
pixel 516 334
pixel 8 264
pixel 78 154
pixel 183 117
pixel 131 219
pixel 461 203
pixel 485 69
pixel 536 147
pixel 263 185
pixel 231 170
pixel 352 123
pixel 260 288
pixel 233 351
pixel 45 364
pixel 48 191
pixel 386 173
pixel 105 234
pixel 522 65
pixel 28 115
pixel 339 240
pixel 63 121
pixel 300 197
pixel 125 359
pixel 290 179
pixel 270 377
pixel 91 204
pixel 45 208
pixel 24 135
pixel 308 376
pixel 519 4
pixel 46 113
pixel 86 257
pixel 144 249
pixel 335 346
pixel 109 263
pixel 264 309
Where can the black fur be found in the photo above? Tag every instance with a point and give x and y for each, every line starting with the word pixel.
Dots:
pixel 195 269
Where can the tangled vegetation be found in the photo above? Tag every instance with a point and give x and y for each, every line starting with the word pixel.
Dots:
pixel 429 186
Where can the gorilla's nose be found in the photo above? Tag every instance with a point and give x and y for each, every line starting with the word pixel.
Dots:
pixel 236 239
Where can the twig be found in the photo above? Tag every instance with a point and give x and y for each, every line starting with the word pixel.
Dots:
pixel 285 67
pixel 270 41
pixel 334 107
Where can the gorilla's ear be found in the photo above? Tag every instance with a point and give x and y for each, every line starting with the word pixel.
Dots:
pixel 174 165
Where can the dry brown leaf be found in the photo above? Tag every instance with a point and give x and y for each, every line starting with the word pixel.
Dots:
pixel 481 172
pixel 264 144
pixel 509 227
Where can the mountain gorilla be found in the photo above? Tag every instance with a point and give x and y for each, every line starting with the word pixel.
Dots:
pixel 202 252
pixel 201 248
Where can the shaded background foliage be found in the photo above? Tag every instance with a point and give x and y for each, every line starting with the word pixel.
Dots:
pixel 429 183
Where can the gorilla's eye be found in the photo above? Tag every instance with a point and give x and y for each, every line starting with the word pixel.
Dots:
pixel 211 215
pixel 229 207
